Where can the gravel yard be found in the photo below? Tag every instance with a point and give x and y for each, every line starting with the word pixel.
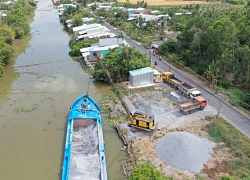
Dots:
pixel 170 147
pixel 163 107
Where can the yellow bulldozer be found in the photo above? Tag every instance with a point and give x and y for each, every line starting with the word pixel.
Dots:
pixel 143 121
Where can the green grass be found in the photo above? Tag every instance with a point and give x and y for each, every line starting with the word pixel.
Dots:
pixel 107 100
pixel 239 144
pixel 236 97
pixel 145 171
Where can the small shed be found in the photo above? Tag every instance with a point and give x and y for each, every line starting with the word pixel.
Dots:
pixel 141 76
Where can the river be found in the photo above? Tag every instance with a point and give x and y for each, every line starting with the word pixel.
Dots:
pixel 36 92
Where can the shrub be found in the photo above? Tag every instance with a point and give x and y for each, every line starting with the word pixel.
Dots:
pixel 147 172
pixel 224 84
pixel 72 42
pixel 75 49
pixel 227 178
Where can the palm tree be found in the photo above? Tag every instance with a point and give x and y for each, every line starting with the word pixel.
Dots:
pixel 212 73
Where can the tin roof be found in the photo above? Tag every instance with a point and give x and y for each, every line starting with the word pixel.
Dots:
pixel 141 71
pixel 110 42
pixel 85 26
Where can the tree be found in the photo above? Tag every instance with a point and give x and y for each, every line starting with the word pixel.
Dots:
pixel 119 63
pixel 77 20
pixel 5 54
pixel 195 45
pixel 168 47
pixel 76 46
pixel 7 34
pixel 212 73
pixel 18 24
pixel 93 7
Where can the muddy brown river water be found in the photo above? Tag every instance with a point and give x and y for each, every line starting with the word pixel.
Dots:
pixel 35 95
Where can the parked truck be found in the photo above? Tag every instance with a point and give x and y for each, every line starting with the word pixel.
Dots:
pixel 168 77
pixel 189 105
pixel 188 90
pixel 185 88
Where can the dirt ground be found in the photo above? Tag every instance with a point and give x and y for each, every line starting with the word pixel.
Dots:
pixel 168 3
pixel 162 104
pixel 144 150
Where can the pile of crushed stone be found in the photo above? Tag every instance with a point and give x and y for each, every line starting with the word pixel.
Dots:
pixel 85 162
pixel 185 151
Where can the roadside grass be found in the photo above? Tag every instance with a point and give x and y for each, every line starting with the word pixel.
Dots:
pixel 236 97
pixel 239 144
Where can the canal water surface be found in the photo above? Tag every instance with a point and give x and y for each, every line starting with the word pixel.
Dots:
pixel 35 95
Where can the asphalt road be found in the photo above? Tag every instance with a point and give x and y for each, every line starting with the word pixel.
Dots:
pixel 238 119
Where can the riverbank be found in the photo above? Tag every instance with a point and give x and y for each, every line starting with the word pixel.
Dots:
pixel 14 26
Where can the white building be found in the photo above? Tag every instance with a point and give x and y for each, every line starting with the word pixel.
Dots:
pixel 84 27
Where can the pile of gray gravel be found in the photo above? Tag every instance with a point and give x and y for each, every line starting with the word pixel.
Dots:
pixel 185 151
pixel 152 107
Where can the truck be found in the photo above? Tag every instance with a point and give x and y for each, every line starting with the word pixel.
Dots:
pixel 189 105
pixel 143 121
pixel 188 90
pixel 168 77
pixel 185 88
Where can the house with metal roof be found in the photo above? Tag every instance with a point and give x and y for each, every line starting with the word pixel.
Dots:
pixel 147 17
pixel 97 32
pixel 110 42
pixel 141 77
pixel 103 47
pixel 98 35
pixel 99 29
pixel 85 27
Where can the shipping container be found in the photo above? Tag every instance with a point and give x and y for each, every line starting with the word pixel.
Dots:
pixel 141 76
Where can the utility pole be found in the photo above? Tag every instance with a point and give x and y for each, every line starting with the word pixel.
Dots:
pixel 219 107
pixel 150 54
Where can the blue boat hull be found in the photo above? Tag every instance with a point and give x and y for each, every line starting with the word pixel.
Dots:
pixel 83 111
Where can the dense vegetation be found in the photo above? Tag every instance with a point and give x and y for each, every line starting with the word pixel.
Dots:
pixel 147 172
pixel 76 46
pixel 119 63
pixel 214 41
pixel 222 131
pixel 76 14
pixel 14 26
pixel 215 44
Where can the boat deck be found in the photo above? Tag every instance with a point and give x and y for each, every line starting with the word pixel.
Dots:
pixel 85 163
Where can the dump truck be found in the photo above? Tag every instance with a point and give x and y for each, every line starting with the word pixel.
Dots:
pixel 143 121
pixel 168 77
pixel 185 88
pixel 188 90
pixel 189 105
